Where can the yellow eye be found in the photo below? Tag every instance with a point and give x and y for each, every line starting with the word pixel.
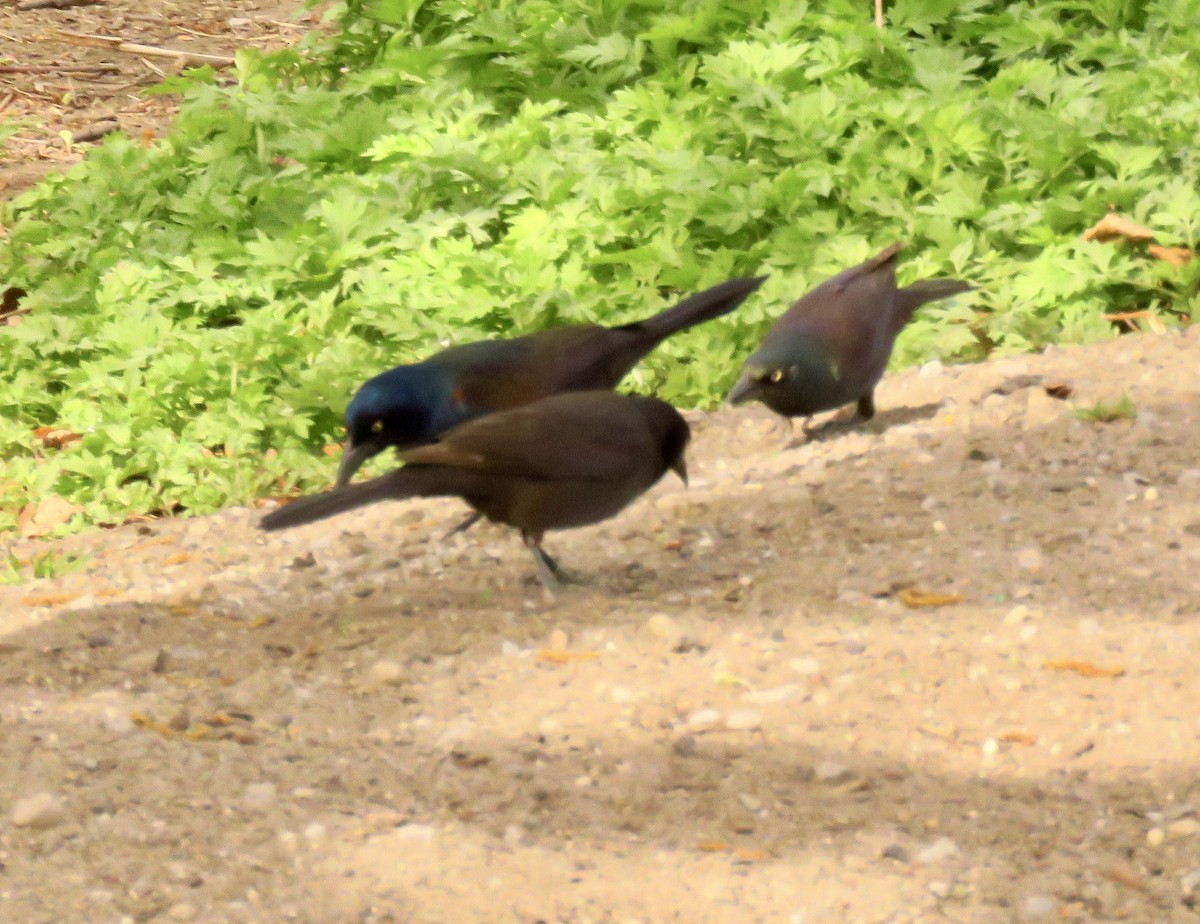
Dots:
pixel 377 427
pixel 775 377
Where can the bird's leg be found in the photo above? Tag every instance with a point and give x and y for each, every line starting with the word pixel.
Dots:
pixel 462 527
pixel 548 572
pixel 866 406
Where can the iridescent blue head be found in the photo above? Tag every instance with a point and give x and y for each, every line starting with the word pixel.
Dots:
pixel 404 407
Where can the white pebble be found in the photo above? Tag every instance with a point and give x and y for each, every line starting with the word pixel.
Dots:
pixel 990 746
pixel 743 720
pixel 661 625
pixel 314 832
pixel 828 771
pixel 704 718
pixel 1155 836
pixel 385 673
pixel 941 849
pixel 45 810
pixel 805 667
pixel 182 911
pixel 1031 559
pixel 1037 907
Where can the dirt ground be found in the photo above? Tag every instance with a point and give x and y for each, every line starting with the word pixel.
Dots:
pixel 50 83
pixel 736 718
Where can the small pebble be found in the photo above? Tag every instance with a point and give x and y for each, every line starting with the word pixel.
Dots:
pixel 743 720
pixel 314 832
pixel 829 771
pixel 704 718
pixel 385 673
pixel 662 626
pixel 896 852
pixel 557 640
pixel 415 832
pixel 1184 827
pixel 941 849
pixel 45 810
pixel 1155 837
pixel 805 667
pixel 1037 907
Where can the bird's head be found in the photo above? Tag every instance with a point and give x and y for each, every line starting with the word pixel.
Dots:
pixel 673 436
pixel 403 407
pixel 789 368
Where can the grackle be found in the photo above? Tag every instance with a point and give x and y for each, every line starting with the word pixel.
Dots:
pixel 564 461
pixel 832 346
pixel 414 404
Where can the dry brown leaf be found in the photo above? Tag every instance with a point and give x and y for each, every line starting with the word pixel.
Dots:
pixel 48 599
pixel 1176 256
pixel 557 656
pixel 1060 390
pixel 1083 668
pixel 333 449
pixel 41 518
pixel 54 438
pixel 178 558
pixel 1017 737
pixel 915 598
pixel 1113 226
pixel 750 854
pixel 712 846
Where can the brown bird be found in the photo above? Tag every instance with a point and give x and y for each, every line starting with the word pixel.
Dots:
pixel 564 461
pixel 832 346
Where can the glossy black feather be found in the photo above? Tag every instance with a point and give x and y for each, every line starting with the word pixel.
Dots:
pixel 414 404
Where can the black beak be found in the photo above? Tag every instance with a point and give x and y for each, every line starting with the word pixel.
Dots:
pixel 745 390
pixel 352 460
pixel 679 467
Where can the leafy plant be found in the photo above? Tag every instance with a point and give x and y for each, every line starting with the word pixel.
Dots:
pixel 49 564
pixel 200 310
pixel 1108 411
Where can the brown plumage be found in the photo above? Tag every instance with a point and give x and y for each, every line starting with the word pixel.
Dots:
pixel 564 461
pixel 832 346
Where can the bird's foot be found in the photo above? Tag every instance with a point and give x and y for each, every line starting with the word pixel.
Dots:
pixel 462 527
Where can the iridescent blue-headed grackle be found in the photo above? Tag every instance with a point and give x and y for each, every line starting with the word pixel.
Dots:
pixel 832 346
pixel 564 461
pixel 414 404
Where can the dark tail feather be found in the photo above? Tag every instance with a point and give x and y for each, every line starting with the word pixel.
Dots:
pixel 910 298
pixel 410 481
pixel 703 306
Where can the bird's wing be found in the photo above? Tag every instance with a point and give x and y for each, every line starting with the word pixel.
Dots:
pixel 578 438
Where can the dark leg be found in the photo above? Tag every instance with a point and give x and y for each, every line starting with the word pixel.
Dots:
pixel 548 572
pixel 866 406
pixel 462 527
pixel 785 427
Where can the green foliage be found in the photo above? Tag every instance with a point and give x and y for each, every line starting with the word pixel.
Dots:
pixel 444 170
pixel 41 565
pixel 1108 411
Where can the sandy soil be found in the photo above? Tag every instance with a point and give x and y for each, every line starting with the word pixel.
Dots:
pixel 736 718
pixel 50 83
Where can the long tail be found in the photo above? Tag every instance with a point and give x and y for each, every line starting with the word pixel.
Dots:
pixel 410 481
pixel 703 306
pixel 910 298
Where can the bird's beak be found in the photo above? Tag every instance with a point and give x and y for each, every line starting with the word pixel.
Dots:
pixel 743 391
pixel 679 467
pixel 353 459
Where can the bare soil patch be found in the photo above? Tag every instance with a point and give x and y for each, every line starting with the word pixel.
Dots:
pixel 737 718
pixel 51 84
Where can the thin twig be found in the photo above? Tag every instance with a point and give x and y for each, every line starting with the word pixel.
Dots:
pixel 151 51
pixel 879 13
pixel 57 68
pixel 157 70
pixel 25 5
